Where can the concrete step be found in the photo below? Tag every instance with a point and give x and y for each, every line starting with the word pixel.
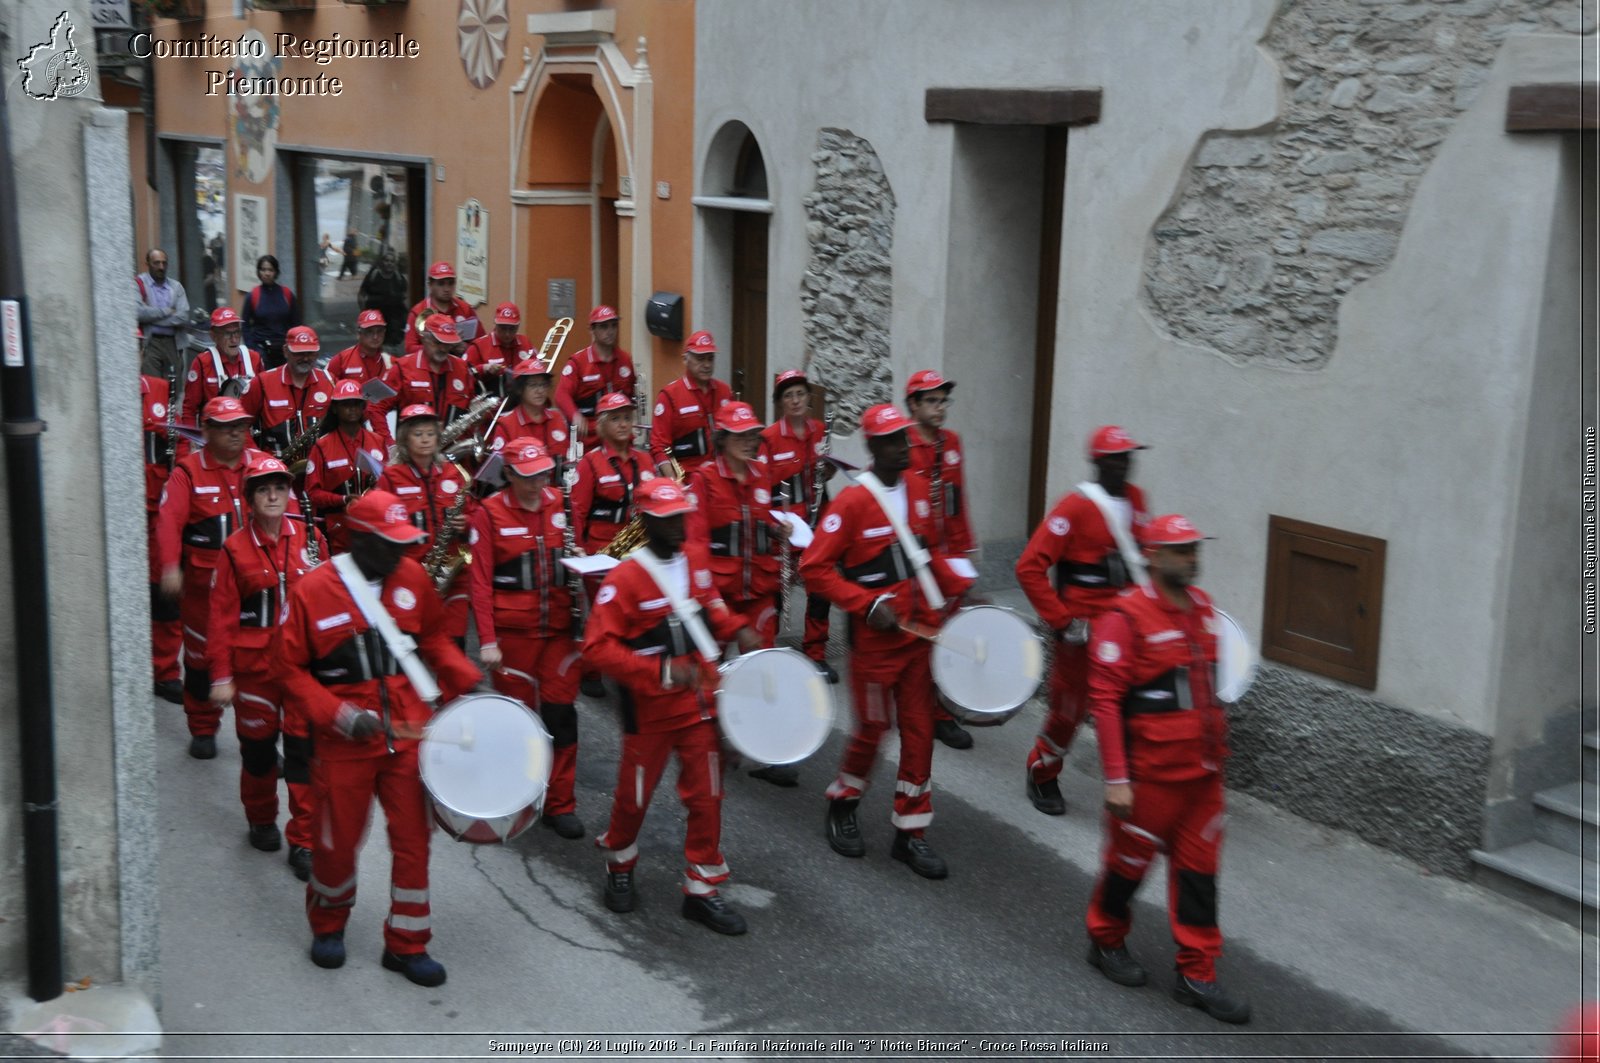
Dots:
pixel 1542 876
pixel 1568 817
pixel 1591 757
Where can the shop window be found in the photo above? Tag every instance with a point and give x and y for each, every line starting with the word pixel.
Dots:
pixel 1324 600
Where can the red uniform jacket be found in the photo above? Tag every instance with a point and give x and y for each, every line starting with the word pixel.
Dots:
pixel 204 383
pixel 449 391
pixel 248 598
pixel 735 529
pixel 585 379
pixel 153 398
pixel 427 496
pixel 1071 567
pixel 951 530
pixel 856 559
pixel 324 646
pixel 516 577
pixel 202 504
pixel 484 352
pixel 553 433
pixel 682 425
pixel 602 499
pixel 351 364
pixel 632 635
pixel 283 411
pixel 460 311
pixel 336 474
pixel 792 462
pixel 1152 689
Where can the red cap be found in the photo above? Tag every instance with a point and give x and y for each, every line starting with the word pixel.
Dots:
pixel 441 270
pixel 262 466
pixel 1171 529
pixel 615 400
pixel 347 391
pixel 700 343
pixel 302 338
pixel 384 515
pixel 787 377
pixel 926 380
pixel 531 367
pixel 442 328
pixel 224 410
pixel 601 314
pixel 884 419
pixel 370 319
pixel 417 411
pixel 1111 439
pixel 223 316
pixel 525 457
pixel 738 417
pixel 663 497
pixel 507 314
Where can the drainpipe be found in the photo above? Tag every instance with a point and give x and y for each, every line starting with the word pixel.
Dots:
pixel 21 429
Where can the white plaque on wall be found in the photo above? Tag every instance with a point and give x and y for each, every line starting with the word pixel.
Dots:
pixel 472 252
pixel 249 238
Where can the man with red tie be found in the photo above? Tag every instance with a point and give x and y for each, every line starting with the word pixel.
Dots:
pixel 600 369
pixel 685 408
pixel 441 300
pixel 493 356
pixel 345 463
pixel 227 366
pixel 293 398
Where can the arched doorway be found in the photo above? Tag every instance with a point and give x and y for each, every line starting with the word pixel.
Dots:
pixel 731 292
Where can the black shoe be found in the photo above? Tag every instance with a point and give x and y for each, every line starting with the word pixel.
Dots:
pixel 567 824
pixel 827 671
pixel 170 690
pixel 1117 965
pixel 419 967
pixel 1210 998
pixel 785 775
pixel 952 734
pixel 714 912
pixel 592 686
pixel 843 833
pixel 910 849
pixel 265 836
pixel 300 862
pixel 327 950
pixel 1046 797
pixel 619 891
pixel 203 747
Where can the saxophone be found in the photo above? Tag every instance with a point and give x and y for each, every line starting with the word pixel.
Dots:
pixel 481 407
pixel 631 537
pixel 299 448
pixel 444 559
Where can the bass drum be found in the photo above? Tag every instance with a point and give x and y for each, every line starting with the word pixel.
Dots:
pixel 1236 659
pixel 485 761
pixel 774 706
pixel 987 663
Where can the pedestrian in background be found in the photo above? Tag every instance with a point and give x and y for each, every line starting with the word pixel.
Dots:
pixel 270 311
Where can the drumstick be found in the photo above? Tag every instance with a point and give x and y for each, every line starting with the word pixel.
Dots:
pixel 977 649
pixel 465 740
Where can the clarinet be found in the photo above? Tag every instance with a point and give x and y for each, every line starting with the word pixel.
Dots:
pixel 569 541
pixel 172 415
pixel 936 490
pixel 313 553
pixel 824 448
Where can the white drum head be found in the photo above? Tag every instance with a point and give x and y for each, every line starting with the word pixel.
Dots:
pixel 1236 659
pixel 988 660
pixel 486 756
pixel 774 706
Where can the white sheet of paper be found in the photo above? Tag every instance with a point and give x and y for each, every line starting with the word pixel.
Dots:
pixel 590 565
pixel 963 568
pixel 799 531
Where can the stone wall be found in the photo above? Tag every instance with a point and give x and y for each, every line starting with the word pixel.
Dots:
pixel 847 289
pixel 1272 227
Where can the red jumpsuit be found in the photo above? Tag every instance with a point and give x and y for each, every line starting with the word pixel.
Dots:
pixel 632 636
pixel 166 631
pixel 448 389
pixel 484 352
pixel 734 530
pixel 352 364
pixel 427 496
pixel 602 498
pixel 336 475
pixel 522 604
pixel 254 576
pixel 209 371
pixel 1151 687
pixel 792 465
pixel 325 641
pixel 460 311
pixel 1071 570
pixel 855 560
pixel 283 411
pixel 552 433
pixel 952 533
pixel 586 379
pixel 682 425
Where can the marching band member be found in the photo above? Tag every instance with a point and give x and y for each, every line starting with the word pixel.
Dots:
pixel 256 569
pixel 336 471
pixel 436 375
pixel 684 409
pixel 791 445
pixel 524 612
pixel 596 371
pixel 365 360
pixel 491 357
pixel 866 559
pixel 533 416
pixel 441 301
pixel 936 455
pixel 227 361
pixel 1163 739
pixel 292 398
pixel 166 630
pixel 364 730
pixel 648 631
pixel 434 492
pixel 1076 562
pixel 201 505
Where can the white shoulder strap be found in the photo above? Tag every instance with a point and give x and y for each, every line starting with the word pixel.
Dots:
pixel 400 644
pixel 914 552
pixel 1120 532
pixel 680 607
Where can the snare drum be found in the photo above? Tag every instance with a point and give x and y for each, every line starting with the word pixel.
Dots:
pixel 1236 659
pixel 774 706
pixel 987 662
pixel 485 761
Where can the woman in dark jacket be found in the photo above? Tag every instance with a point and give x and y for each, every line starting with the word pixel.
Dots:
pixel 270 311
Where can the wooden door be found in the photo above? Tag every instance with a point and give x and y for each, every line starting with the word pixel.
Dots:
pixel 747 363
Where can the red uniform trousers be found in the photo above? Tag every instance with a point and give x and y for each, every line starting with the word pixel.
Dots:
pixel 194 612
pixel 542 672
pixel 814 642
pixel 343 792
pixel 1185 819
pixel 644 757
pixel 257 718
pixel 1067 703
pixel 898 685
